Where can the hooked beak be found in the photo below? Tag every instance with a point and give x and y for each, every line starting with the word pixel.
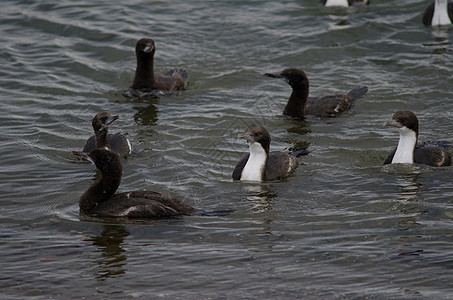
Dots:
pixel 149 48
pixel 272 75
pixel 393 124
pixel 246 136
pixel 279 76
pixel 110 121
pixel 83 155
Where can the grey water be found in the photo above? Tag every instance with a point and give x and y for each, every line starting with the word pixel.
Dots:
pixel 342 226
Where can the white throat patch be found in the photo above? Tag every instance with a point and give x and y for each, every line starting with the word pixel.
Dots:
pixel 337 3
pixel 405 151
pixel 440 15
pixel 256 163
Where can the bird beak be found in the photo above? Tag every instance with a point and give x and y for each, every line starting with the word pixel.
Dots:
pixel 279 75
pixel 83 155
pixel 273 75
pixel 109 122
pixel 246 136
pixel 393 124
pixel 112 119
pixel 148 48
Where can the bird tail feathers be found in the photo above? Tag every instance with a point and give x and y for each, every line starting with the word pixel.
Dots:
pixel 180 71
pixel 358 92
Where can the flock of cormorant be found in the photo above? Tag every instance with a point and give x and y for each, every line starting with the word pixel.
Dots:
pixel 107 151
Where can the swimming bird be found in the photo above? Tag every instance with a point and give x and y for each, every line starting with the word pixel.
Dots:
pixel 407 150
pixel 260 164
pixel 102 139
pixel 344 3
pixel 439 12
pixel 145 78
pixel 324 107
pixel 100 199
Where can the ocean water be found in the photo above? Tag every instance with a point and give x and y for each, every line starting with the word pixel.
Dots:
pixel 342 226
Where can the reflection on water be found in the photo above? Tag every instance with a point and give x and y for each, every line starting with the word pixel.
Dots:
pixel 143 94
pixel 407 179
pixel 441 33
pixel 441 42
pixel 259 196
pixel 410 197
pixel 409 187
pixel 302 128
pixel 146 114
pixel 113 255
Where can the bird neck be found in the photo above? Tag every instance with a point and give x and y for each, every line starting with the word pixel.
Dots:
pixel 297 101
pixel 337 3
pixel 406 146
pixel 144 73
pixel 256 164
pixel 101 190
pixel 440 15
pixel 102 140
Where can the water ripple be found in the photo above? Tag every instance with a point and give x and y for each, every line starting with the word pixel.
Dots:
pixel 342 226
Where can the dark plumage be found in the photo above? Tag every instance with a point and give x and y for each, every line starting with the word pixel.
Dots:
pixel 323 107
pixel 100 199
pixel 444 13
pixel 407 150
pixel 102 139
pixel 145 78
pixel 349 2
pixel 266 166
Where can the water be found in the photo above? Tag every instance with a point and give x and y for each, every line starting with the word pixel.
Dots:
pixel 342 226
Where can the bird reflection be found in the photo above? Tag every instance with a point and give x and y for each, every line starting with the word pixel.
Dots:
pixel 339 19
pixel 441 42
pixel 442 35
pixel 301 128
pixel 409 187
pixel 146 114
pixel 409 197
pixel 144 104
pixel 113 255
pixel 259 196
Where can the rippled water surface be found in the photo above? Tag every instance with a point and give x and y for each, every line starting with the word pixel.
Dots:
pixel 342 226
